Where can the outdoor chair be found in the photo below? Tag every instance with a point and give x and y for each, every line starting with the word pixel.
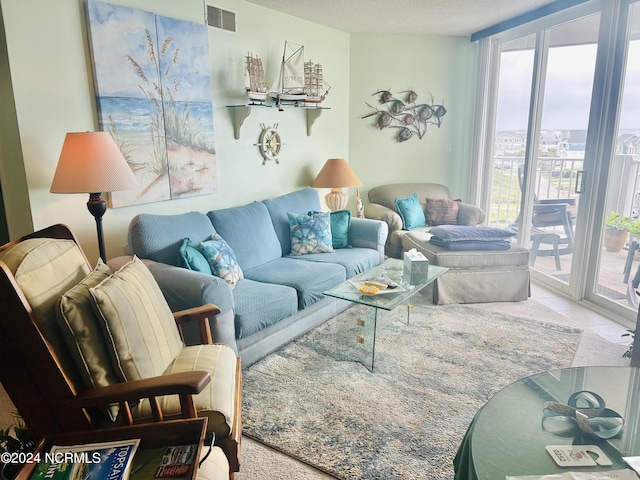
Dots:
pixel 552 212
pixel 82 349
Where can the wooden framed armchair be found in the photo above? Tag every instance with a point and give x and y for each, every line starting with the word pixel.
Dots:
pixel 82 349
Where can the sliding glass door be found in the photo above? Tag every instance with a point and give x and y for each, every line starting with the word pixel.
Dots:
pixel 561 157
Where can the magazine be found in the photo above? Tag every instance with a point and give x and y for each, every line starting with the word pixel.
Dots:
pixel 100 461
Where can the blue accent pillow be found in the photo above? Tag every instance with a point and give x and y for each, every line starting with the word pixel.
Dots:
pixel 191 258
pixel 411 212
pixel 221 259
pixel 460 233
pixel 310 233
pixel 340 225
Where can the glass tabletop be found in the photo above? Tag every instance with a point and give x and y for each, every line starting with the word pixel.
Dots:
pixel 506 436
pixel 392 268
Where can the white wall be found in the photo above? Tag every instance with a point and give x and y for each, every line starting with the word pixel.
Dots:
pixel 50 69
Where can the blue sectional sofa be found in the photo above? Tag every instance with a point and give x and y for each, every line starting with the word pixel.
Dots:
pixel 280 296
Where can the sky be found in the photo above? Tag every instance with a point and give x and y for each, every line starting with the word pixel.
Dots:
pixel 568 89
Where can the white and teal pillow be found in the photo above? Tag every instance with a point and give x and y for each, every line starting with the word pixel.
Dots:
pixel 340 226
pixel 310 233
pixel 222 259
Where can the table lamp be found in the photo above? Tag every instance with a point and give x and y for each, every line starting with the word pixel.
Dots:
pixel 91 162
pixel 336 175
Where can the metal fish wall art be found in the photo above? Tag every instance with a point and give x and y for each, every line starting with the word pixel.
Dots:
pixel 406 114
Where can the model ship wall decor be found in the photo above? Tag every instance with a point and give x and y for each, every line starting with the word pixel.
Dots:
pixel 298 82
pixel 254 82
pixel 410 117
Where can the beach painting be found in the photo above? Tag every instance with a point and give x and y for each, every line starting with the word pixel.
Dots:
pixel 153 94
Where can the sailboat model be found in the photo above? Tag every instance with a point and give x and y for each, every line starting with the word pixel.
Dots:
pixel 314 83
pixel 289 85
pixel 254 82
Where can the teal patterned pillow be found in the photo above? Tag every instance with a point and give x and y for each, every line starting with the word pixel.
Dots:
pixel 340 225
pixel 221 259
pixel 310 233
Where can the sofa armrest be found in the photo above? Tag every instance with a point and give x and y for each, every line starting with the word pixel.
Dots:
pixel 369 233
pixel 470 214
pixel 380 212
pixel 185 289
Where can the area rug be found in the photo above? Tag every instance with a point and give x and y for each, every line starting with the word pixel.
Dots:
pixel 405 420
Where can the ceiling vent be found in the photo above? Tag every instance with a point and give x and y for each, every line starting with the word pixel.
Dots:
pixel 219 18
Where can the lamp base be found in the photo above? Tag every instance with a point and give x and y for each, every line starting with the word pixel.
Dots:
pixel 336 199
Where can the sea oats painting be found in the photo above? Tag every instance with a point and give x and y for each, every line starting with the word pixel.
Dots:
pixel 153 93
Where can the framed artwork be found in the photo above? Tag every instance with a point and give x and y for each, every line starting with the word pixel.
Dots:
pixel 153 94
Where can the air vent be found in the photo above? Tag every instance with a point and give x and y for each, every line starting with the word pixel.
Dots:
pixel 219 18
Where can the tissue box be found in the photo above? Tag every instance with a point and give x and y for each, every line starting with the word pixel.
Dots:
pixel 416 268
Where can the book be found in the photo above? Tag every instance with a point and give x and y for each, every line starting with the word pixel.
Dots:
pixel 98 461
pixel 177 461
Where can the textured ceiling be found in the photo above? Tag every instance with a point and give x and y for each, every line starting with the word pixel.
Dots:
pixel 431 17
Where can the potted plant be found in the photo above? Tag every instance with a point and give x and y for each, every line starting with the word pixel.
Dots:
pixel 616 232
pixel 15 439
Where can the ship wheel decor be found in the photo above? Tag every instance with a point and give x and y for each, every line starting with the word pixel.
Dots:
pixel 406 114
pixel 270 143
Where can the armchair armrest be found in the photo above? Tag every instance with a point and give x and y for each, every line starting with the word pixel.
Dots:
pixel 183 384
pixel 470 214
pixel 201 315
pixel 377 211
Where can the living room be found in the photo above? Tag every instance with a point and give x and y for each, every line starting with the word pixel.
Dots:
pixel 47 90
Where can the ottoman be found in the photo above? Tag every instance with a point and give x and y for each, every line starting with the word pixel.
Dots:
pixel 475 276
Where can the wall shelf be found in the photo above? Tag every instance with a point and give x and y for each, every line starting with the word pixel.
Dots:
pixel 239 114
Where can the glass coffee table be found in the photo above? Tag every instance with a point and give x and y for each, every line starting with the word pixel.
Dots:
pixel 385 300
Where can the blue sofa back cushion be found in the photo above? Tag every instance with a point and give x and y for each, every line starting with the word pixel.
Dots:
pixel 249 232
pixel 301 201
pixel 159 237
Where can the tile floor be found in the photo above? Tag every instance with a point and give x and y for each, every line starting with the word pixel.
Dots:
pixel 582 316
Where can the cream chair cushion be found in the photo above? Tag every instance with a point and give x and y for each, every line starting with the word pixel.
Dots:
pixel 141 333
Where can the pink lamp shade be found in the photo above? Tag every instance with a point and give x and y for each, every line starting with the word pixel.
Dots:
pixel 336 175
pixel 91 162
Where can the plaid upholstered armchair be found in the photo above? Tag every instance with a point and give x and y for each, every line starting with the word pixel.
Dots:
pixel 84 348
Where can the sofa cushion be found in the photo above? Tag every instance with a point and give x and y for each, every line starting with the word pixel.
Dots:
pixel 221 259
pixel 355 260
pixel 310 233
pixel 458 233
pixel 44 269
pixel 259 305
pixel 191 258
pixel 141 333
pixel 386 194
pixel 411 212
pixel 309 279
pixel 216 401
pixel 340 227
pixel 441 211
pixel 159 237
pixel 249 232
pixel 300 201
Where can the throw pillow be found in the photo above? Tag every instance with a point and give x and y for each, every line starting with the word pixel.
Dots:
pixel 340 225
pixel 460 233
pixel 191 258
pixel 310 233
pixel 221 259
pixel 142 336
pixel 410 211
pixel 441 211
pixel 84 336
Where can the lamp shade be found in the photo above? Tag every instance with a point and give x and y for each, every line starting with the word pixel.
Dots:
pixel 91 162
pixel 336 173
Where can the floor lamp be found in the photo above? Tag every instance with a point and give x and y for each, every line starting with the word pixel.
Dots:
pixel 91 162
pixel 336 175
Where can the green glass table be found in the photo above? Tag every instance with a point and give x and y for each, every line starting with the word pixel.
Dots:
pixel 507 438
pixel 367 331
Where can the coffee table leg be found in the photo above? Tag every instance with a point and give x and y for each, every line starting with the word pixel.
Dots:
pixel 375 329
